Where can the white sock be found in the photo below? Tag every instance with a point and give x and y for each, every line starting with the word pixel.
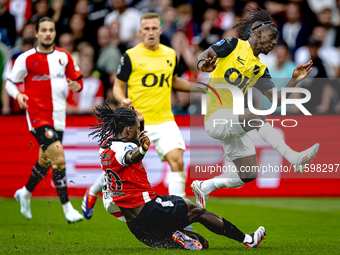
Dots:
pixel 273 138
pixel 97 186
pixel 177 183
pixel 67 206
pixel 25 192
pixel 247 239
pixel 226 180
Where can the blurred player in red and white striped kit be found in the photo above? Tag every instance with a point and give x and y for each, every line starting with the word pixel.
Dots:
pixel 47 72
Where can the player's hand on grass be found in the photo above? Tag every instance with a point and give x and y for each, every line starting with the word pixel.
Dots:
pixel 144 141
pixel 21 100
pixel 208 65
pixel 302 71
pixel 73 85
pixel 126 102
pixel 139 114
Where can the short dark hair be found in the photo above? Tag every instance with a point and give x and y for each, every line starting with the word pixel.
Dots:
pixel 42 20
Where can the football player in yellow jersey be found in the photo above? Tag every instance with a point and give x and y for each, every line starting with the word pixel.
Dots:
pixel 235 62
pixel 149 69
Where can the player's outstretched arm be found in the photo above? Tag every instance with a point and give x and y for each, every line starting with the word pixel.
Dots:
pixel 140 117
pixel 137 154
pixel 118 93
pixel 302 71
pixel 206 60
pixel 186 86
pixel 299 74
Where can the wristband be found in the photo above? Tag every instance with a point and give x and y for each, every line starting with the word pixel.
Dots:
pixel 199 61
pixel 141 150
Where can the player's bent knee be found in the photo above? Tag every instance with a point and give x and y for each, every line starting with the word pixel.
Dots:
pixel 249 178
pixel 45 162
pixel 61 167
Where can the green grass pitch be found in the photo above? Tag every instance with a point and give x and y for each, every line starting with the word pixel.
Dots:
pixel 294 226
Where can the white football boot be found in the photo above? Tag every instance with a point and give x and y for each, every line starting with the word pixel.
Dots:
pixel 257 237
pixel 305 158
pixel 72 215
pixel 25 204
pixel 201 197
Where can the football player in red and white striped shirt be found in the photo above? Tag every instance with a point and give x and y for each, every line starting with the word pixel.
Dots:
pixel 47 72
pixel 155 220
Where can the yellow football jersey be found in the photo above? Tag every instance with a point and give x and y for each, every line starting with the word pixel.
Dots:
pixel 236 65
pixel 149 77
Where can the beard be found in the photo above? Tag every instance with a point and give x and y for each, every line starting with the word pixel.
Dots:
pixel 46 46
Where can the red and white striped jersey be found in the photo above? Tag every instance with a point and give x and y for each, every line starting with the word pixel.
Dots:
pixel 44 76
pixel 127 185
pixel 92 93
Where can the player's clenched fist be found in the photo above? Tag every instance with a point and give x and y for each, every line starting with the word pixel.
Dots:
pixel 126 102
pixel 21 100
pixel 144 141
pixel 73 85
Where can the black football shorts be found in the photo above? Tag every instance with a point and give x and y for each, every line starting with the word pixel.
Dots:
pixel 158 220
pixel 47 135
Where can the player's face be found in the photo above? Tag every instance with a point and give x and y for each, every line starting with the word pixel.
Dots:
pixel 267 40
pixel 150 32
pixel 46 34
pixel 135 132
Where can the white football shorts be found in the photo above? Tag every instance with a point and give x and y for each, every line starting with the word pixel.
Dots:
pixel 224 126
pixel 166 137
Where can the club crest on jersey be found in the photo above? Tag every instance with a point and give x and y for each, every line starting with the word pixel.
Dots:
pixel 61 62
pixel 219 43
pixel 49 133
pixel 129 147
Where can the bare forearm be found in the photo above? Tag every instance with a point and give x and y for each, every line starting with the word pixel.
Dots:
pixel 291 84
pixel 118 93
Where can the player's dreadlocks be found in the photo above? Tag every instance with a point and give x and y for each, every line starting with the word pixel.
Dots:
pixel 111 122
pixel 255 20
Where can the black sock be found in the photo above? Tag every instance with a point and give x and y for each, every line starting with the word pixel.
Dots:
pixel 38 172
pixel 59 179
pixel 232 232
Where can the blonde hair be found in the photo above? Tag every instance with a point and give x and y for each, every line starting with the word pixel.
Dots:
pixel 150 15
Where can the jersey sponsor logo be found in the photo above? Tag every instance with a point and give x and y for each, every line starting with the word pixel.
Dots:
pixel 49 133
pixel 219 43
pixel 61 62
pixel 256 69
pixel 150 80
pixel 240 81
pixel 108 194
pixel 46 77
pixel 129 147
pixel 240 60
